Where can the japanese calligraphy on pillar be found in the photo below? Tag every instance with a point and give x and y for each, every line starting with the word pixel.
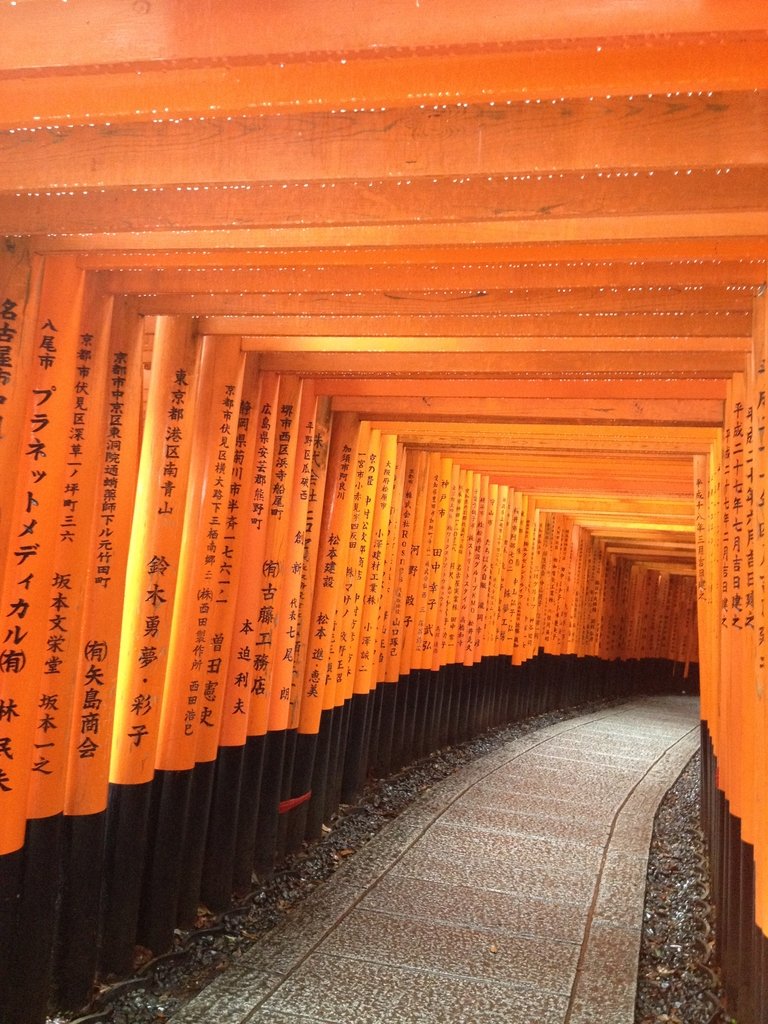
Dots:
pixel 287 625
pixel 155 547
pixel 402 541
pixel 57 690
pixel 365 678
pixel 368 464
pixel 317 695
pixel 116 463
pixel 385 668
pixel 473 594
pixel 416 522
pixel 738 528
pixel 190 718
pixel 318 457
pixel 34 535
pixel 20 279
pixel 758 502
pixel 445 550
pixel 238 656
pixel 246 680
pixel 273 574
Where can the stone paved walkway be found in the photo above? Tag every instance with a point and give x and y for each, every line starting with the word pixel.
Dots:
pixel 511 893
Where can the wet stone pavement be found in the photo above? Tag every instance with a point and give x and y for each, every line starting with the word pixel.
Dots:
pixel 512 891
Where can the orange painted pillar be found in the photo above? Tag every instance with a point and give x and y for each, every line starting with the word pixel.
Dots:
pixel 306 703
pixel 34 521
pixel 117 461
pixel 451 637
pixel 386 670
pixel 103 585
pixel 292 610
pixel 150 593
pixel 320 717
pixel 279 588
pixel 437 609
pixel 244 724
pixel 373 536
pixel 758 584
pixel 74 519
pixel 415 509
pixel 428 578
pixel 28 707
pixel 190 714
pixel 356 692
pixel 20 280
pixel 47 868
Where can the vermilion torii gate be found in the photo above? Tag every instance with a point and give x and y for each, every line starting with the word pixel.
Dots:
pixel 368 377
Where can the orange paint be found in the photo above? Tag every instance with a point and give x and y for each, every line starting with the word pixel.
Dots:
pixel 155 551
pixel 352 614
pixel 378 538
pixel 190 718
pixel 75 523
pixel 105 575
pixel 35 517
pixel 255 417
pixel 287 544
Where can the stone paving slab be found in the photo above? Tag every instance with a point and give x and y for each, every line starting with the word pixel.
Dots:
pixel 510 892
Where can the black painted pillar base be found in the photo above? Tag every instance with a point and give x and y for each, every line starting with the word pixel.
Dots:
pixel 217 879
pixel 125 850
pixel 78 924
pixel 286 793
pixel 336 756
pixel 11 865
pixel 741 947
pixel 301 788
pixel 316 807
pixel 354 770
pixel 408 720
pixel 169 806
pixel 269 800
pixel 247 815
pixel 31 954
pixel 387 706
pixel 195 835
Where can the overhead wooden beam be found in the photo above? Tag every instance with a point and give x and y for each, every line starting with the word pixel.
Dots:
pixel 137 250
pixel 500 365
pixel 460 198
pixel 510 343
pixel 653 476
pixel 543 437
pixel 677 132
pixel 484 302
pixel 472 274
pixel 689 412
pixel 382 76
pixel 228 314
pixel 699 226
pixel 110 33
pixel 576 504
pixel 617 486
pixel 513 388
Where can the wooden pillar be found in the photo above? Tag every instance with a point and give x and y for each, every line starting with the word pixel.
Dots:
pixel 246 671
pixel 320 715
pixel 190 716
pixel 103 582
pixel 152 572
pixel 217 880
pixel 49 343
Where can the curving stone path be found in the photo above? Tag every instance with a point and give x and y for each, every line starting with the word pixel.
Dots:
pixel 511 893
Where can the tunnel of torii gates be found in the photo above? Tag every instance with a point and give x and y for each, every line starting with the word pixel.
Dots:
pixel 371 375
